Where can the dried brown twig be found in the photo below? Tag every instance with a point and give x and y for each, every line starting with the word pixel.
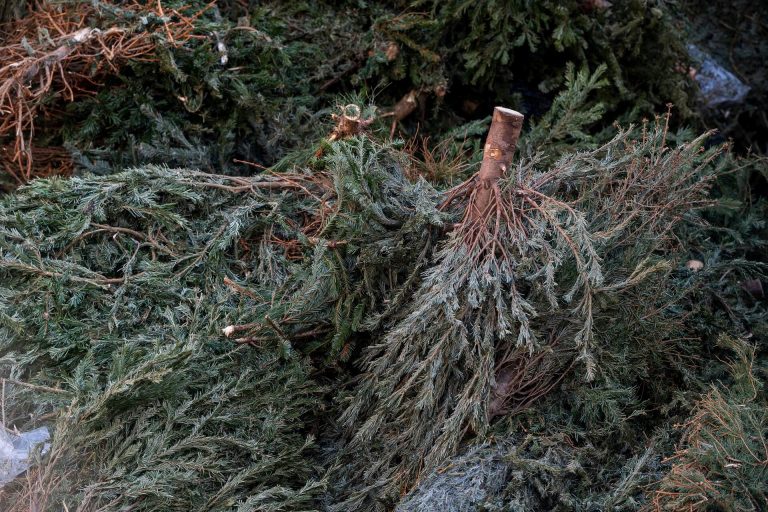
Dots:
pixel 53 55
pixel 522 377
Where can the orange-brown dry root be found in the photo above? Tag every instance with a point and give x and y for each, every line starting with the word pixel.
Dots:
pixel 70 63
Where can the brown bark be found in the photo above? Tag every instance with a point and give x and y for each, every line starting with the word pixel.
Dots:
pixel 498 151
pixel 406 105
pixel 349 123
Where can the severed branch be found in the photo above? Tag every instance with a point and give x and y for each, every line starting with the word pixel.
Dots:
pixel 406 105
pixel 489 212
pixel 349 123
pixel 404 108
pixel 499 148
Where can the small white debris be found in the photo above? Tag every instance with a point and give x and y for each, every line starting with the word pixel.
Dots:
pixel 84 34
pixel 222 48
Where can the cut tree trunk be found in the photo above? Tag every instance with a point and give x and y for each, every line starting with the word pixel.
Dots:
pixel 497 155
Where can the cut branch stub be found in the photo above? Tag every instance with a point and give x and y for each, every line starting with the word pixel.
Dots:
pixel 407 105
pixel 498 151
pixel 501 142
pixel 349 123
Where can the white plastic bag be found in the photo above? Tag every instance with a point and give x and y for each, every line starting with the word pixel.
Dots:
pixel 15 451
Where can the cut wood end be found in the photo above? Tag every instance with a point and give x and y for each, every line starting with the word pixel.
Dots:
pixel 507 114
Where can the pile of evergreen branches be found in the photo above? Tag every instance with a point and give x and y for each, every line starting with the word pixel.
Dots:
pixel 180 331
pixel 225 86
pixel 112 302
pixel 375 323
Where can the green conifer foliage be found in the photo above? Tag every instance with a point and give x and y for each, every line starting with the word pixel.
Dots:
pixel 115 292
pixel 515 46
pixel 233 91
pixel 111 306
pixel 250 86
pixel 353 328
pixel 722 463
pixel 367 233
pixel 556 248
pixel 558 308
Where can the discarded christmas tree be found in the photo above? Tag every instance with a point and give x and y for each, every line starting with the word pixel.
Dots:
pixel 110 320
pixel 534 258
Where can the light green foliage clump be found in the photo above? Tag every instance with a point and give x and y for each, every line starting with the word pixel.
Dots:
pixel 361 233
pixel 115 293
pixel 111 308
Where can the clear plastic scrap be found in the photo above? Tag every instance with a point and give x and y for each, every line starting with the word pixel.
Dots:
pixel 717 85
pixel 16 450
